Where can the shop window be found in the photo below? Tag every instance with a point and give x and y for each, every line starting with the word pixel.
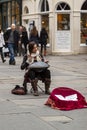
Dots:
pixel 4 17
pixel 63 19
pixel 44 6
pixel 15 13
pixel 45 21
pixel 9 13
pixel 63 22
pixel 84 23
pixel 26 11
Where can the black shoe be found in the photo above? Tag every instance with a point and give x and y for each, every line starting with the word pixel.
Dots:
pixel 47 92
pixel 26 91
pixel 4 61
pixel 9 62
pixel 12 62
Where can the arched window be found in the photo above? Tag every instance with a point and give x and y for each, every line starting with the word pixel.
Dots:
pixel 84 6
pixel 63 6
pixel 63 19
pixel 44 6
pixel 26 11
pixel 84 23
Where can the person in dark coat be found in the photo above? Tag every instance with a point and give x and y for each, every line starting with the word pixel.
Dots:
pixel 20 49
pixel 11 37
pixel 24 39
pixel 43 40
pixel 34 35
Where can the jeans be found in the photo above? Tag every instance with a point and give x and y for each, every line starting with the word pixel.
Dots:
pixel 11 47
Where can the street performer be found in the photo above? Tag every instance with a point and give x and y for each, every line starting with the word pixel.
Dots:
pixel 37 68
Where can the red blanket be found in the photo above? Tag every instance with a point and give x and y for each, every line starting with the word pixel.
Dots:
pixel 64 98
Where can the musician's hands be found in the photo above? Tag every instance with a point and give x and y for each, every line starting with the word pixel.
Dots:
pixel 46 61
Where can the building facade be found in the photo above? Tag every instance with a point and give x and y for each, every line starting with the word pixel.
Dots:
pixel 64 20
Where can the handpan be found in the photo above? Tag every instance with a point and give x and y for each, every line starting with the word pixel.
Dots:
pixel 38 66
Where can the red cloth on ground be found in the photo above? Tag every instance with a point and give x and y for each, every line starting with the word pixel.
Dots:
pixel 71 99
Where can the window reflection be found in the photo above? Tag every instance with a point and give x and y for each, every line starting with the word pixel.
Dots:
pixel 83 27
pixel 10 12
pixel 15 12
pixel 63 22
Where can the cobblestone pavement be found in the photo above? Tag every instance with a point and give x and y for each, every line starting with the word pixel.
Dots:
pixel 29 112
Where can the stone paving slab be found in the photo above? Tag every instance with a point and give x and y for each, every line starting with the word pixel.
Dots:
pixel 29 112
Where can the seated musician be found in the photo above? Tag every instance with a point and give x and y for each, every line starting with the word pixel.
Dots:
pixel 33 75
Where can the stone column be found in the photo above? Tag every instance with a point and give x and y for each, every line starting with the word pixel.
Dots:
pixel 51 32
pixel 76 33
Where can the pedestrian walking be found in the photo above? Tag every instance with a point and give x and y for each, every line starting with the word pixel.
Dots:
pixel 2 43
pixel 20 49
pixel 43 40
pixel 25 40
pixel 12 37
pixel 34 35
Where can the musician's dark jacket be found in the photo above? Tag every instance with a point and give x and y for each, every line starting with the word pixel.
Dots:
pixel 32 73
pixel 25 64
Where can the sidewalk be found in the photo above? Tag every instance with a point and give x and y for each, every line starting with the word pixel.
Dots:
pixel 28 112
